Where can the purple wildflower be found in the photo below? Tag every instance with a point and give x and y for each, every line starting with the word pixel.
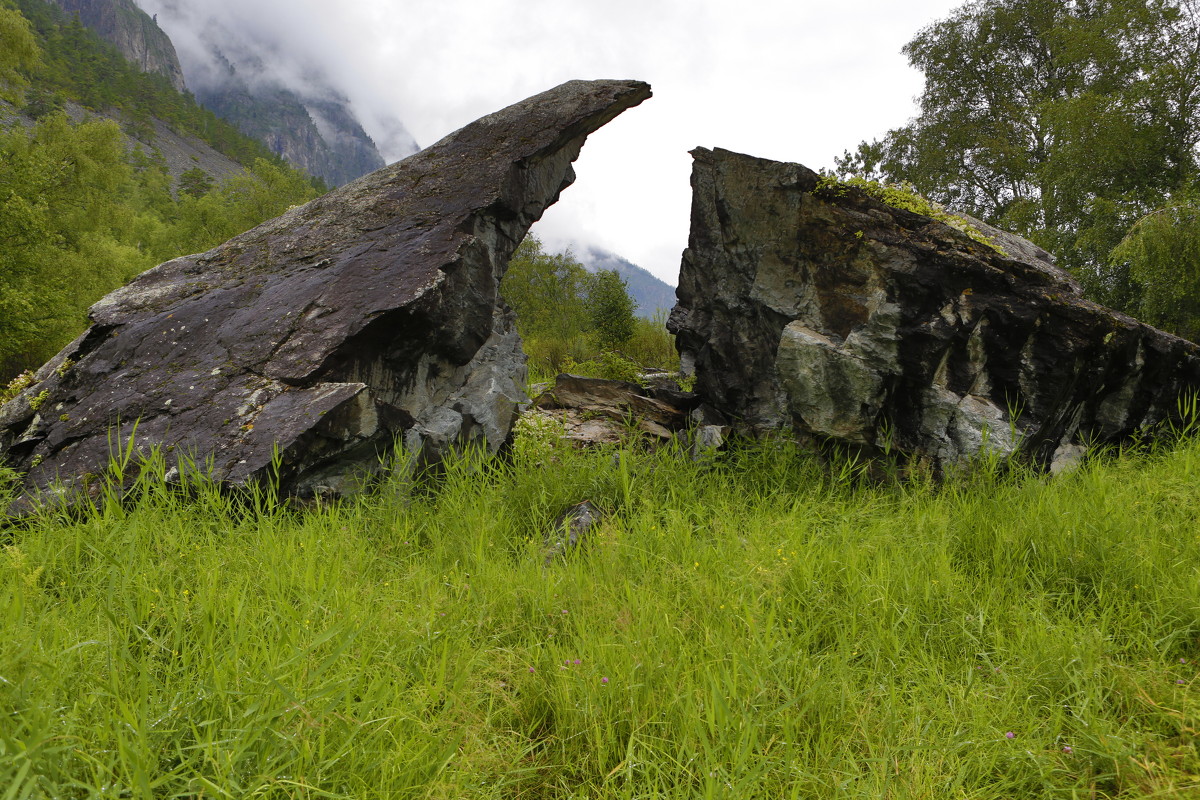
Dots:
pixel 604 680
pixel 1010 735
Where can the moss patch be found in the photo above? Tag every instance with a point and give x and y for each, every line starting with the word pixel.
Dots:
pixel 905 196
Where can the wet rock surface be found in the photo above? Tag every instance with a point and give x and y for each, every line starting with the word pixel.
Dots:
pixel 368 315
pixel 830 314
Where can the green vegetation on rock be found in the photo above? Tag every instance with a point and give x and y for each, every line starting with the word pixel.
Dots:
pixel 18 53
pixel 905 196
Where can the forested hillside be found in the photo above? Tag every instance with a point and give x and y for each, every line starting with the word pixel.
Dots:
pixel 82 208
pixel 76 64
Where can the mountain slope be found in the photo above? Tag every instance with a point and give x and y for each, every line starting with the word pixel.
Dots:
pixel 91 153
pixel 134 33
pixel 251 79
pixel 650 293
pixel 321 137
pixel 234 73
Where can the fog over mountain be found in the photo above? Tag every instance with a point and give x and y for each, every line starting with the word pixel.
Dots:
pixel 792 81
pixel 246 64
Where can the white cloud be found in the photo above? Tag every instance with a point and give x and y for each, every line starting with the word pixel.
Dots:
pixel 798 80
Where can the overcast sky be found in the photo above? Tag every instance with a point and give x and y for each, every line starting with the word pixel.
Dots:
pixel 794 81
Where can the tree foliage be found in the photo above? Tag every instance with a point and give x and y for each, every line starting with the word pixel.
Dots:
pixel 18 52
pixel 572 319
pixel 80 216
pixel 1066 121
pixel 1162 251
pixel 611 309
pixel 547 291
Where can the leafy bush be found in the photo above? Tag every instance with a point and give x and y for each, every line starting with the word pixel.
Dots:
pixel 652 345
pixel 575 322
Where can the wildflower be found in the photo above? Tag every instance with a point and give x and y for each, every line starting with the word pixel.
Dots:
pixel 604 680
pixel 1010 735
pixel 564 611
pixel 1180 681
pixel 577 661
pixel 1067 748
pixel 531 669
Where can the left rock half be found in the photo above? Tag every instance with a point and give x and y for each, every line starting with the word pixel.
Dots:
pixel 320 338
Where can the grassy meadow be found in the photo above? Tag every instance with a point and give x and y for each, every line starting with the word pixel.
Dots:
pixel 754 625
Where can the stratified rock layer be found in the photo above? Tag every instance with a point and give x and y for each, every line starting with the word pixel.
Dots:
pixel 323 335
pixel 831 314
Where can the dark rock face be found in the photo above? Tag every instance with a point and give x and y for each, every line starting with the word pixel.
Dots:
pixel 369 314
pixel 839 317
pixel 132 31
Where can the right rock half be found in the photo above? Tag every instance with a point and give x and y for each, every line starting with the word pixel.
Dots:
pixel 816 308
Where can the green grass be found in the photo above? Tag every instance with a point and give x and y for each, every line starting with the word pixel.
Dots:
pixel 768 628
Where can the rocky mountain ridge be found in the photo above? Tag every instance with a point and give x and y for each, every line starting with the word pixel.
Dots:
pixel 134 33
pixel 317 132
pixel 275 96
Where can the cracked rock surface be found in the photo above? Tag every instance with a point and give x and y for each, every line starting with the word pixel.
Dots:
pixel 368 315
pixel 833 315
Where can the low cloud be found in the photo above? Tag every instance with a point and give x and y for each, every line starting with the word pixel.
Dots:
pixel 793 80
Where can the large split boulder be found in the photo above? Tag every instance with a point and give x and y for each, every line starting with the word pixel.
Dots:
pixel 821 310
pixel 321 337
